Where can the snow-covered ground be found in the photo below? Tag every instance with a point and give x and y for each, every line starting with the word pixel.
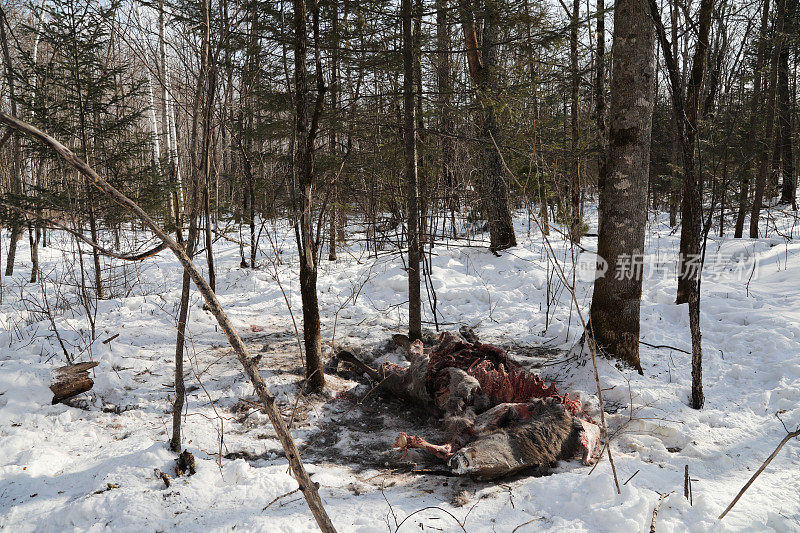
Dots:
pixel 91 465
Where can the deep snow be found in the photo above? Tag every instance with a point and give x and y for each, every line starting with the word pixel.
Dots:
pixel 91 466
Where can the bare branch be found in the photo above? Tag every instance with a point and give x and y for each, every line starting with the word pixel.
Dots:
pixel 307 486
pixel 789 436
pixel 80 236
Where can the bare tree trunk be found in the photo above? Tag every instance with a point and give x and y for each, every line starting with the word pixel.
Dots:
pixel 444 84
pixel 31 170
pixel 574 210
pixel 180 387
pixel 600 102
pixel 251 191
pixel 410 151
pixel 206 166
pixel 419 133
pixel 151 112
pixel 686 116
pixel 623 201
pixel 755 116
pixel 334 90
pixel 248 121
pixel 544 216
pixel 306 133
pixel 692 211
pixel 724 188
pixel 492 185
pixel 541 190
pixel 785 106
pixel 16 232
pixel 675 185
pixel 199 171
pixel 16 176
pixel 166 127
pixel 183 315
pixel 98 280
pixel 763 168
pixel 33 238
pixel 209 241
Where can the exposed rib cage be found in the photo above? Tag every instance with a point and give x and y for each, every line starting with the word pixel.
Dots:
pixel 488 365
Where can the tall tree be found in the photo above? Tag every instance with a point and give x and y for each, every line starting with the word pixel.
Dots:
pixel 754 121
pixel 16 171
pixel 444 84
pixel 482 59
pixel 410 150
pixel 623 198
pixel 600 99
pixel 334 146
pixel 676 180
pixel 785 106
pixel 687 111
pixel 201 157
pixel 769 130
pixel 306 129
pixel 574 210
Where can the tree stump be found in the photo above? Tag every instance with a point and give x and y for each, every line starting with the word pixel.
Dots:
pixel 71 380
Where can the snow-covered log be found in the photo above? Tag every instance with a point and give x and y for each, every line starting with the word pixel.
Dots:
pixel 71 380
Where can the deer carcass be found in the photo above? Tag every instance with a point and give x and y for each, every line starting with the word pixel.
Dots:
pixel 499 417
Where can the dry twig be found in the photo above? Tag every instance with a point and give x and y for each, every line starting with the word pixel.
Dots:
pixel 789 436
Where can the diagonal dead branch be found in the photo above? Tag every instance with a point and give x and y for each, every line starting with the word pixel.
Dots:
pixel 789 436
pixel 308 487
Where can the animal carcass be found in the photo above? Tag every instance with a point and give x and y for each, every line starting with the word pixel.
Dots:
pixel 499 417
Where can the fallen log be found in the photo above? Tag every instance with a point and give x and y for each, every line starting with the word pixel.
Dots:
pixel 71 380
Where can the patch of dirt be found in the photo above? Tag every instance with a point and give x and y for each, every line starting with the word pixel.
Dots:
pixel 360 429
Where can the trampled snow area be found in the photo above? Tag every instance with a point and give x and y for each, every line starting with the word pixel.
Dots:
pixel 91 465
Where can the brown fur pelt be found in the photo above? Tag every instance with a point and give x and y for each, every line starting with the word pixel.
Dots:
pixel 534 435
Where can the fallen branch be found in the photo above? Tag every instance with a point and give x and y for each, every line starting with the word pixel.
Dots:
pixel 526 523
pixel 279 498
pixel 664 346
pixel 111 338
pixel 308 487
pixel 630 478
pixel 789 436
pixel 655 511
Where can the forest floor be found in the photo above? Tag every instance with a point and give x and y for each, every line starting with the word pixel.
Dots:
pixel 91 465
